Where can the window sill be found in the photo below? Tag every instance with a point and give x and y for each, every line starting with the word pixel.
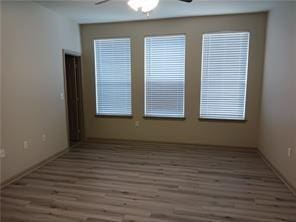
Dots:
pixel 115 116
pixel 164 118
pixel 222 120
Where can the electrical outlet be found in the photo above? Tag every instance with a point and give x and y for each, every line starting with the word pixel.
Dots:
pixel 137 123
pixel 2 153
pixel 26 145
pixel 289 152
pixel 43 137
pixel 62 96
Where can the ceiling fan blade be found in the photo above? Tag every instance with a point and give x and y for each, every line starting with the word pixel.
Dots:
pixel 188 1
pixel 102 2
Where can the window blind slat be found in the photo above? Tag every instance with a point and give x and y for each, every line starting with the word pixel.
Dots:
pixel 224 75
pixel 113 76
pixel 164 76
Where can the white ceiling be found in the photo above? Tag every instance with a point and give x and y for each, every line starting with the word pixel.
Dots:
pixel 117 10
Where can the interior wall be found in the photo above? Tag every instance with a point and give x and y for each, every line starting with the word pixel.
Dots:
pixel 278 112
pixel 190 130
pixel 33 38
pixel 0 90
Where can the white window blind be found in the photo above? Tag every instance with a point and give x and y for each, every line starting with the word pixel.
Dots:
pixel 164 76
pixel 113 76
pixel 224 75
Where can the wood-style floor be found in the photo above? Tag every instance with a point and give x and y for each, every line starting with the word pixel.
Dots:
pixel 150 183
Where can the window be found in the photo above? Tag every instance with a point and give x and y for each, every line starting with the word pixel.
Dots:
pixel 164 76
pixel 113 76
pixel 224 75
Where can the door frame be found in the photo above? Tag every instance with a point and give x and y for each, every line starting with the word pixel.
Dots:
pixel 80 89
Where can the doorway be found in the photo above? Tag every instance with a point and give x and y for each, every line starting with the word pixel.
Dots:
pixel 73 92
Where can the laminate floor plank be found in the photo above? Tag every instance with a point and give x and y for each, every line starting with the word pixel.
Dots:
pixel 141 182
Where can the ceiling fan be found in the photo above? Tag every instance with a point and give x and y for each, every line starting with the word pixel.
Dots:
pixel 144 5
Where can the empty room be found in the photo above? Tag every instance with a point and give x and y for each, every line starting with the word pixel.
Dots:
pixel 148 111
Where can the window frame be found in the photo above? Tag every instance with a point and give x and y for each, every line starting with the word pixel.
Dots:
pixel 245 119
pixel 97 115
pixel 184 93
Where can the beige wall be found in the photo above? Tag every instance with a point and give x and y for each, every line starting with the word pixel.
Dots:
pixel 33 38
pixel 190 130
pixel 278 112
pixel 0 86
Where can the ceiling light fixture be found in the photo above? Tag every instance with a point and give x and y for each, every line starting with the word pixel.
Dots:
pixel 145 6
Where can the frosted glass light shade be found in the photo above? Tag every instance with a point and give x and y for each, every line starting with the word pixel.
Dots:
pixel 144 5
